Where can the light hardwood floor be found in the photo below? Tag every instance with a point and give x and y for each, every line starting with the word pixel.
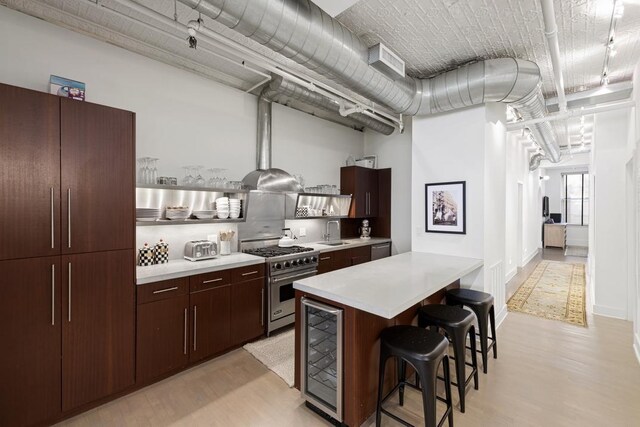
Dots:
pixel 547 373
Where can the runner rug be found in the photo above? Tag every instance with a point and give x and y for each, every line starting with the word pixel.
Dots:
pixel 555 290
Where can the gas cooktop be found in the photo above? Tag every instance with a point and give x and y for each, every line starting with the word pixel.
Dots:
pixel 274 251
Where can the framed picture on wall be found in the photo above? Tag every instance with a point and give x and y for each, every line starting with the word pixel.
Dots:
pixel 445 207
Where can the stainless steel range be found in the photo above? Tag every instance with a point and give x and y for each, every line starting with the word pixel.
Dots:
pixel 284 266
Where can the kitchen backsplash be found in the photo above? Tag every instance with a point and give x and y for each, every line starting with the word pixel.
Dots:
pixel 176 236
pixel 315 229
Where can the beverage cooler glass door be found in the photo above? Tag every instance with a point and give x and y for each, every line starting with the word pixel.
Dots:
pixel 322 358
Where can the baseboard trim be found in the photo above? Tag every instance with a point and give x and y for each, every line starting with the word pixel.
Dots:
pixel 616 313
pixel 528 259
pixel 636 345
pixel 501 315
pixel 511 274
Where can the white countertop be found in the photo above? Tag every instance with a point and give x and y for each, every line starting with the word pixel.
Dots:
pixel 352 243
pixel 182 267
pixel 389 286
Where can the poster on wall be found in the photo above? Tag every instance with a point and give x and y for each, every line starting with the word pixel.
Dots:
pixel 445 207
pixel 66 88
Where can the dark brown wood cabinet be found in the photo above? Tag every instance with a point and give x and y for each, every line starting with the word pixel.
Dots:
pixel 81 287
pixel 247 310
pixel 98 328
pixel 360 255
pixel 362 184
pixel 162 337
pixel 30 325
pixel 97 177
pixel 30 173
pixel 210 328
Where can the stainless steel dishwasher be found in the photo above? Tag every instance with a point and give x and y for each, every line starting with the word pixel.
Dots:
pixel 381 250
pixel 321 376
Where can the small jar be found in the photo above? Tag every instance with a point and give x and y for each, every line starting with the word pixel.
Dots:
pixel 161 252
pixel 145 255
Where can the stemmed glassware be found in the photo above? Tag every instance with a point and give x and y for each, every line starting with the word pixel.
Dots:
pixel 199 180
pixel 153 171
pixel 188 178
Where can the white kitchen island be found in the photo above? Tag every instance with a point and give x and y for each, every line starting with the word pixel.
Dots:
pixel 389 286
pixel 372 297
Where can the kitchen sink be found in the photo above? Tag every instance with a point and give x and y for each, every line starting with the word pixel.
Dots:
pixel 334 243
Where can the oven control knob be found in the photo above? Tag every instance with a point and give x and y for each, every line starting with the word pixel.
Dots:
pixel 294 262
pixel 278 266
pixel 306 260
pixel 287 264
pixel 313 259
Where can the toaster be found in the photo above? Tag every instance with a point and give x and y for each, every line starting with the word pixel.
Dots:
pixel 197 250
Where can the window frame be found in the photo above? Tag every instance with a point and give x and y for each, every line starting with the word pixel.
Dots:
pixel 565 198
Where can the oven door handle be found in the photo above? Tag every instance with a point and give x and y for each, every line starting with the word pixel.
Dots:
pixel 295 276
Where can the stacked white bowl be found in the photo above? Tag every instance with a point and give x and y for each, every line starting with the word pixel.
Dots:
pixel 234 208
pixel 222 206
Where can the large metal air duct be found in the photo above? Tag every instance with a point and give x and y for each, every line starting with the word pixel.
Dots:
pixel 281 90
pixel 301 31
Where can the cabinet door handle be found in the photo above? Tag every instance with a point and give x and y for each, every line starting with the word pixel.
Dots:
pixel 53 226
pixel 262 307
pixel 184 345
pixel 325 258
pixel 212 280
pixel 195 327
pixel 250 273
pixel 68 217
pixel 69 296
pixel 53 294
pixel 159 291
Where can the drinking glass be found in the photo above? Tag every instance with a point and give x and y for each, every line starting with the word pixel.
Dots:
pixel 188 178
pixel 141 164
pixel 153 171
pixel 199 180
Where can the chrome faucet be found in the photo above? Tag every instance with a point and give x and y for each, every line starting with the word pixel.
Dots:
pixel 327 236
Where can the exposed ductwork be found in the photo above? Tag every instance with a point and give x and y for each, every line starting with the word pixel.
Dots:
pixel 301 31
pixel 266 178
pixel 281 90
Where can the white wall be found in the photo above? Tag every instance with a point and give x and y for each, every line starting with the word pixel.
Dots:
pixel 394 151
pixel 610 238
pixel 444 150
pixel 531 223
pixel 635 237
pixel 181 118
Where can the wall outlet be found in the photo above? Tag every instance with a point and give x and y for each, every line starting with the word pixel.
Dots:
pixel 303 232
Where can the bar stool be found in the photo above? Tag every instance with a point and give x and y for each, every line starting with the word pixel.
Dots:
pixel 424 350
pixel 457 323
pixel 481 303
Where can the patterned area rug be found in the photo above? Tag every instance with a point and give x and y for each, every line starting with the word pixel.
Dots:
pixel 576 251
pixel 555 290
pixel 276 353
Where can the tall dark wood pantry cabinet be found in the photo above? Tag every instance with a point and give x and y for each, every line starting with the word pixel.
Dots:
pixel 67 314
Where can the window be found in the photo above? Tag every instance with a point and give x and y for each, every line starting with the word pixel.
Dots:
pixel 575 198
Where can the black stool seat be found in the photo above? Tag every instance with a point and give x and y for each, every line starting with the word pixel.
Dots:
pixel 457 323
pixel 445 315
pixel 470 297
pixel 425 351
pixel 481 303
pixel 405 340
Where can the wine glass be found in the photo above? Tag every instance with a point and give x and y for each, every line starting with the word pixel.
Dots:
pixel 188 178
pixel 153 171
pixel 199 180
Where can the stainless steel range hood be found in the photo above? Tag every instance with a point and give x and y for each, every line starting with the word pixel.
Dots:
pixel 266 178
